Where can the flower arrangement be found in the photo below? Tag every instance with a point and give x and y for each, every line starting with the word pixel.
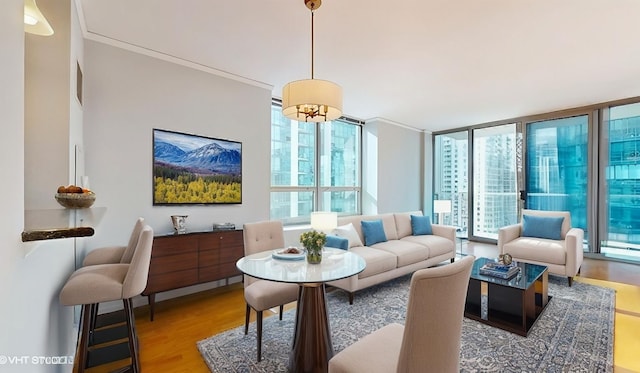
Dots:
pixel 313 241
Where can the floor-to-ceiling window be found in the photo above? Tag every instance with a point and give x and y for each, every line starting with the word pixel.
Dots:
pixel 495 187
pixel 451 179
pixel 557 167
pixel 620 217
pixel 314 167
pixel 583 160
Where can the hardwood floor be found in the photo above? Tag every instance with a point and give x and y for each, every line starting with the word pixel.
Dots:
pixel 168 344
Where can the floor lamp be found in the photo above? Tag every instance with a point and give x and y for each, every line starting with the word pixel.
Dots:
pixel 441 206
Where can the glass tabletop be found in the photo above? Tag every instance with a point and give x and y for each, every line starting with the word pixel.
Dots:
pixel 336 264
pixel 529 273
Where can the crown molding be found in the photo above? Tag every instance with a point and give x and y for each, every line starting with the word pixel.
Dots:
pixel 393 123
pixel 176 60
pixel 162 56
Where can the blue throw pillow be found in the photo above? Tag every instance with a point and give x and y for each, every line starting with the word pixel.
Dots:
pixel 420 225
pixel 549 227
pixel 337 242
pixel 373 232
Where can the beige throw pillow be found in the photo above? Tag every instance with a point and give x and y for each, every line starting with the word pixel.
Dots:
pixel 349 232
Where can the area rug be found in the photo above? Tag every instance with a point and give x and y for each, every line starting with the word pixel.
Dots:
pixel 573 334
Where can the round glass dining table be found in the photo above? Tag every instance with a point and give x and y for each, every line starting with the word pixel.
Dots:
pixel 311 348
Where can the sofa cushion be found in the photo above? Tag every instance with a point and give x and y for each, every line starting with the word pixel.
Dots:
pixel 549 227
pixel 537 249
pixel 337 242
pixel 420 225
pixel 437 245
pixel 403 223
pixel 378 261
pixel 373 232
pixel 388 222
pixel 349 232
pixel 406 252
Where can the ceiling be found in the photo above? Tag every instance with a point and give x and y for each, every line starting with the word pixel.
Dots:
pixel 431 64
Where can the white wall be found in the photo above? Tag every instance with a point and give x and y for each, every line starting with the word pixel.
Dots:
pixel 12 145
pixel 393 168
pixel 32 321
pixel 47 108
pixel 129 94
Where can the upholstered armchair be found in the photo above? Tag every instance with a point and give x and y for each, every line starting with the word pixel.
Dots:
pixel 431 337
pixel 545 238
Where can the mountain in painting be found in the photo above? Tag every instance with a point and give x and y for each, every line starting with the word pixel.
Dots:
pixel 210 159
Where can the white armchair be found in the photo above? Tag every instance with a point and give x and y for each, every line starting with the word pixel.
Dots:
pixel 563 256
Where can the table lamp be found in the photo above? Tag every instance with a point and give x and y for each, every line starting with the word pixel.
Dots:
pixel 324 221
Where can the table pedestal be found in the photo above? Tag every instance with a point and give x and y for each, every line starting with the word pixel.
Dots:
pixel 312 347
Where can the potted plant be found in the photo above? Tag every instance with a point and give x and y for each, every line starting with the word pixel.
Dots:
pixel 313 241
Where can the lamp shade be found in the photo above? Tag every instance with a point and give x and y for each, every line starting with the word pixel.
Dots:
pixel 34 20
pixel 301 97
pixel 441 206
pixel 324 221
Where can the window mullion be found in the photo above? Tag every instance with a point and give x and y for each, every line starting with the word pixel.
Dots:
pixel 317 195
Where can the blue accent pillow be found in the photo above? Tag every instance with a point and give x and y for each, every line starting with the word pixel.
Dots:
pixel 549 227
pixel 337 242
pixel 373 232
pixel 420 225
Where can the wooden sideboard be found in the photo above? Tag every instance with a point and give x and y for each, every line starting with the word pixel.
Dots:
pixel 181 260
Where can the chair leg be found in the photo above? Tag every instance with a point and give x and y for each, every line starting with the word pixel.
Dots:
pixel 351 298
pixel 94 319
pixel 246 320
pixel 570 281
pixel 259 332
pixel 83 350
pixel 133 345
pixel 281 311
pixel 453 260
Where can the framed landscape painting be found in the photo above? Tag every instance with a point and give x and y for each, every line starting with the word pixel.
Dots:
pixel 192 169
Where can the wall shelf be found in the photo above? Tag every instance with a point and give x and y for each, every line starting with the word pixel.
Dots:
pixel 49 224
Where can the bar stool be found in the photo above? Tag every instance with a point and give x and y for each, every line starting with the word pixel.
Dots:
pixel 91 285
pixel 115 254
pixel 112 255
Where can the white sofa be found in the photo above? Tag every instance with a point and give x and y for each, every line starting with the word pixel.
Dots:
pixel 401 254
pixel 563 256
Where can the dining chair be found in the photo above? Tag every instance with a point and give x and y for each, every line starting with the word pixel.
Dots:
pixel 262 295
pixel 430 339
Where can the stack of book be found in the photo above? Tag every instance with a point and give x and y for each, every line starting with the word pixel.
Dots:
pixel 499 270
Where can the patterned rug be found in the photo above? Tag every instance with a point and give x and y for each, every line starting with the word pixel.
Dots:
pixel 573 334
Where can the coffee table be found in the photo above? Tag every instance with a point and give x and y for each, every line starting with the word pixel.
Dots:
pixel 514 304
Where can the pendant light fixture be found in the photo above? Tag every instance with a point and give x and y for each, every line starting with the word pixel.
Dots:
pixel 34 20
pixel 312 100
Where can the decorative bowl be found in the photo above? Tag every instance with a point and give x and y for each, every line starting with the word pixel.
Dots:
pixel 76 200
